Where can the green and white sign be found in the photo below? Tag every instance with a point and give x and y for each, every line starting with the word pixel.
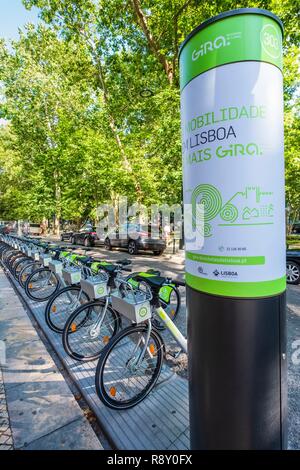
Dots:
pixel 232 140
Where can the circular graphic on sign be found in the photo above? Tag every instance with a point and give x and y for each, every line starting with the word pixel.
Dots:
pixel 229 213
pixel 143 311
pixel 270 41
pixel 211 199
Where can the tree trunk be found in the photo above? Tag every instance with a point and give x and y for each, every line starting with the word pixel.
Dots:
pixel 153 45
pixel 126 163
pixel 57 214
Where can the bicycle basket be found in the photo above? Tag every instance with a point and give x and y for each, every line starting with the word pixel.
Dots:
pixel 133 303
pixel 45 258
pixel 71 275
pixel 95 286
pixel 55 266
pixel 28 251
pixel 35 255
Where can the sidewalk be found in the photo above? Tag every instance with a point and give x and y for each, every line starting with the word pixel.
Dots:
pixel 6 442
pixel 42 410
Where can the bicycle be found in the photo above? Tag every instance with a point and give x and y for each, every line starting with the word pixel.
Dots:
pixel 92 325
pixel 169 296
pixel 129 366
pixel 38 257
pixel 64 302
pixel 45 281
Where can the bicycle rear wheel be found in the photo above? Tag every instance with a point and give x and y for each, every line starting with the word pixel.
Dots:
pixel 18 265
pixel 41 285
pixel 6 253
pixel 13 260
pixel 26 270
pixel 82 339
pixel 122 381
pixel 61 305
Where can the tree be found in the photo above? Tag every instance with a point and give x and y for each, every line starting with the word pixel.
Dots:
pixel 93 99
pixel 49 97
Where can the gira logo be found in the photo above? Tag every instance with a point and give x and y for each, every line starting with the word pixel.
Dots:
pixel 217 43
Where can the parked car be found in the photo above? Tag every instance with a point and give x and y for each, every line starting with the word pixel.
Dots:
pixel 32 229
pixel 135 237
pixel 86 236
pixel 66 236
pixel 296 228
pixel 4 229
pixel 293 266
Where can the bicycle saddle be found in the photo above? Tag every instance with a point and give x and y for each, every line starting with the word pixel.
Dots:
pixel 84 259
pixel 153 271
pixel 155 282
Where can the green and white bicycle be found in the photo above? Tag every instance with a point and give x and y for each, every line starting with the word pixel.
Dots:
pixel 130 365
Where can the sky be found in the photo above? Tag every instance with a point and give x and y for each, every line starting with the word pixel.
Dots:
pixel 14 15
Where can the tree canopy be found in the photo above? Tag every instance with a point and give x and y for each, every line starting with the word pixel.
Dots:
pixel 91 96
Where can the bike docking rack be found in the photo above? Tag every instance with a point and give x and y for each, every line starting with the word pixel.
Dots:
pixel 161 420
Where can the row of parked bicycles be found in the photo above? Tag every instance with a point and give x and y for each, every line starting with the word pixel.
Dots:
pixel 103 311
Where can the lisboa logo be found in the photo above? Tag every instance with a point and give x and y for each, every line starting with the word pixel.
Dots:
pixel 143 311
pixel 100 290
pixel 270 41
pixel 210 198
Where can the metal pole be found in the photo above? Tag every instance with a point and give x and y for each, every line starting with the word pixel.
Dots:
pixel 232 131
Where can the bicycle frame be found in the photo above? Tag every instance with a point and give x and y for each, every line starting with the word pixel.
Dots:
pixel 95 328
pixel 177 335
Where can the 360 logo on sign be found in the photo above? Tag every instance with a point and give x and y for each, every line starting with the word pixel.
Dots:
pixel 270 41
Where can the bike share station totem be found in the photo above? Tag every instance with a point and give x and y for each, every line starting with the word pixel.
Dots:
pixel 233 166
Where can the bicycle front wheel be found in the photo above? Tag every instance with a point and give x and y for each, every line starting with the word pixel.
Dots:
pixel 61 305
pixel 89 329
pixel 41 285
pixel 125 375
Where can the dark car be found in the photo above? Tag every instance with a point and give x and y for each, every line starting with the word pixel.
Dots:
pixel 86 236
pixel 293 266
pixel 66 236
pixel 135 237
pixel 296 228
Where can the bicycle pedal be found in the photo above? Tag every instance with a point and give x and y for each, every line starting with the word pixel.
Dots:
pixel 176 354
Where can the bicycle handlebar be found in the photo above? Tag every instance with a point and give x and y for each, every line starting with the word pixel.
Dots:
pixel 178 283
pixel 129 270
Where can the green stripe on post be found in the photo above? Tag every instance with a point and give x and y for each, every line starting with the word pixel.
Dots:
pixel 228 260
pixel 223 42
pixel 237 289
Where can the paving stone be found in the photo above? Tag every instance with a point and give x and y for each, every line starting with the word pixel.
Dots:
pixel 6 440
pixel 16 329
pixel 75 435
pixel 26 362
pixel 40 407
